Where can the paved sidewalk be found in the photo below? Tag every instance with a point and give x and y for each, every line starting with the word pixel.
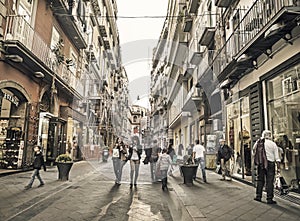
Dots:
pixel 90 194
pixel 228 200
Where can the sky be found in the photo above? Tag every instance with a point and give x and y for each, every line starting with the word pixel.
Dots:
pixel 138 37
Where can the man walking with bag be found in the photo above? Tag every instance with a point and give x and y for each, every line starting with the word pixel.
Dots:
pixel 265 153
pixel 225 154
pixel 199 159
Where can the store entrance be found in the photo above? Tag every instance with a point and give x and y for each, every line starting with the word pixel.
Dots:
pixel 56 139
pixel 52 136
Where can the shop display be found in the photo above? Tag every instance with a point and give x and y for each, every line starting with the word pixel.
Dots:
pixel 11 148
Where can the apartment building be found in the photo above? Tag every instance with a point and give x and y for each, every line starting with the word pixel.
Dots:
pixel 238 74
pixel 59 63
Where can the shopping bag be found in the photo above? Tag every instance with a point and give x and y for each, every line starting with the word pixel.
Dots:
pixel 218 169
pixel 281 185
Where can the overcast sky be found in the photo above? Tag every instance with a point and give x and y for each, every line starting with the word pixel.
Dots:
pixel 138 36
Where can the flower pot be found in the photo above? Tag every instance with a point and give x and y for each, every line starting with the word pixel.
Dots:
pixel 188 172
pixel 64 170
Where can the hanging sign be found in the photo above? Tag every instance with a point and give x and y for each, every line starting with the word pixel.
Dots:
pixel 12 99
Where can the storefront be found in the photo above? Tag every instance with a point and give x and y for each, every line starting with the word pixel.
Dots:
pixel 51 135
pixel 283 111
pixel 238 135
pixel 74 133
pixel 13 112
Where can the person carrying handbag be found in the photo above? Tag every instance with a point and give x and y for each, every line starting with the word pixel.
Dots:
pixel 135 152
pixel 163 164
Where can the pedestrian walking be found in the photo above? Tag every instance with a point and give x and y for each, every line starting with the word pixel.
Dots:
pixel 238 162
pixel 171 151
pixel 164 162
pixel 224 155
pixel 38 163
pixel 190 150
pixel 153 160
pixel 180 149
pixel 124 159
pixel 199 159
pixel 135 152
pixel 265 153
pixel 119 159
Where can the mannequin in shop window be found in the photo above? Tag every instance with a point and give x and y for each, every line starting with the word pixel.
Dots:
pixel 287 146
pixel 74 147
pixel 247 151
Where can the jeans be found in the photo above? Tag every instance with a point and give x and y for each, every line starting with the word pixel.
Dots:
pixel 201 161
pixel 134 170
pixel 153 171
pixel 226 168
pixel 266 176
pixel 117 167
pixel 164 179
pixel 36 173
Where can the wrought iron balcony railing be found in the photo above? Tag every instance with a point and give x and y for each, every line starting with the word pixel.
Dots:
pixel 253 25
pixel 19 31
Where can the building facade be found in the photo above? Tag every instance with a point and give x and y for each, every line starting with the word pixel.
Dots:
pixel 231 70
pixel 59 64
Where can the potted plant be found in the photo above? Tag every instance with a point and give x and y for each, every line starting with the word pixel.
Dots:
pixel 188 170
pixel 64 165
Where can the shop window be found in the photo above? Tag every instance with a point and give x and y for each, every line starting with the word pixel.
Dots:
pixel 283 104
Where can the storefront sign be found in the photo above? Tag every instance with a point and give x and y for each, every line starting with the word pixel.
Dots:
pixel 12 99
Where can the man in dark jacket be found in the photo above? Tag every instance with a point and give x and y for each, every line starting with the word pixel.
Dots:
pixel 38 163
pixel 225 153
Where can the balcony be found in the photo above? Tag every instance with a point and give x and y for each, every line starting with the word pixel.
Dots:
pixel 193 100
pixel 206 28
pixel 21 39
pixel 188 70
pixel 72 23
pixel 181 53
pixel 193 6
pixel 223 3
pixel 187 23
pixel 195 52
pixel 265 23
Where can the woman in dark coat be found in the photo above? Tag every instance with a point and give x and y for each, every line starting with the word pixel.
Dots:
pixel 135 152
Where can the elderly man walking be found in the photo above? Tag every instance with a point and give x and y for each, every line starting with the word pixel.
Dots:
pixel 265 153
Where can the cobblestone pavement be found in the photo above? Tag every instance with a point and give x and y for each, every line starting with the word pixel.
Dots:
pixel 91 194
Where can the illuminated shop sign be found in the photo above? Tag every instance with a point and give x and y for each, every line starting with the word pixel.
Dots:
pixel 12 99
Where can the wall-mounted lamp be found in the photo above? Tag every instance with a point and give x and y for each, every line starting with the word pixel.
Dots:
pixel 243 57
pixel 39 74
pixel 287 37
pixel 14 58
pixel 255 64
pixel 225 84
pixel 69 62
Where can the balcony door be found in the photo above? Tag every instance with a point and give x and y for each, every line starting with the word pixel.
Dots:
pixel 25 10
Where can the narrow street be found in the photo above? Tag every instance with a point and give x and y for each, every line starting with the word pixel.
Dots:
pixel 91 194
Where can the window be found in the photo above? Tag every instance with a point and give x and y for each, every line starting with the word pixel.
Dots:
pixel 25 9
pixel 134 119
